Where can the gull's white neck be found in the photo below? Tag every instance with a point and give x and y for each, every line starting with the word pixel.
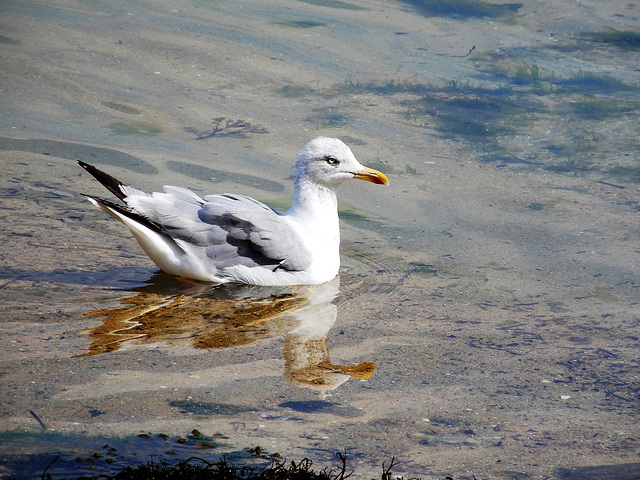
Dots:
pixel 314 213
pixel 313 201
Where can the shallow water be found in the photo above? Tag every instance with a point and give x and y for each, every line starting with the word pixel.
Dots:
pixel 485 322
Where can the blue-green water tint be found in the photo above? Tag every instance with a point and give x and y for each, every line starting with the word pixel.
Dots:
pixel 142 128
pixel 526 74
pixel 121 107
pixel 491 117
pixel 295 91
pixel 76 151
pixel 590 114
pixel 334 4
pixel 594 108
pixel 471 113
pixel 328 117
pixel 463 8
pixel 300 23
pixel 388 87
pixel 585 82
pixel 199 172
pixel 126 278
pixel 462 110
pixel 622 39
pixel 8 41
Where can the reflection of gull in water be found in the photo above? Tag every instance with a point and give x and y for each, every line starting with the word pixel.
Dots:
pixel 213 318
pixel 306 352
pixel 233 238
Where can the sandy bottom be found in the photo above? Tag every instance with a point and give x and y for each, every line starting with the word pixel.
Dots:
pixel 485 322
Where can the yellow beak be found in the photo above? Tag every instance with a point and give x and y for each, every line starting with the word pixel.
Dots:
pixel 373 176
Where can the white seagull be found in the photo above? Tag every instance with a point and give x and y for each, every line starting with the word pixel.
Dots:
pixel 233 238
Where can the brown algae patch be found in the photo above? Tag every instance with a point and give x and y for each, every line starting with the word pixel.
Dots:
pixel 605 294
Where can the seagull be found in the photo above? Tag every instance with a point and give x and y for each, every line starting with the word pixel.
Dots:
pixel 230 238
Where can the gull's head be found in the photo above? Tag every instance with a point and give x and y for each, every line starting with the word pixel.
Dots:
pixel 329 162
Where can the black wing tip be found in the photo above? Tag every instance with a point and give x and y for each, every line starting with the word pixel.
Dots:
pixel 127 212
pixel 110 183
pixel 88 167
pixel 101 200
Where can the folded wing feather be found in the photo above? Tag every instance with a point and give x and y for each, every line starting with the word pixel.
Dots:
pixel 232 229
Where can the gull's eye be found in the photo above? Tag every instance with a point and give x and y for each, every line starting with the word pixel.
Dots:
pixel 332 160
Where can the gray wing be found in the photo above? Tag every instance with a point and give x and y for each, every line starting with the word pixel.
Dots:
pixel 255 230
pixel 232 229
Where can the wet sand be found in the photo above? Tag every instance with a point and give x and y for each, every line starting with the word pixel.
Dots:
pixel 493 285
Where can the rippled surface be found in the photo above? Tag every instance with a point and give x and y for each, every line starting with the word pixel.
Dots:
pixel 485 322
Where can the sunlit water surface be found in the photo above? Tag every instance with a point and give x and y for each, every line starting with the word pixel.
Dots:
pixel 485 322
